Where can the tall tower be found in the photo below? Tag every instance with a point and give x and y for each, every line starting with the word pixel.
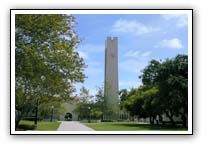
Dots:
pixel 111 75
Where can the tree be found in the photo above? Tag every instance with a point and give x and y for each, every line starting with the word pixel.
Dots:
pixel 171 79
pixel 175 72
pixel 142 102
pixel 151 104
pixel 46 62
pixel 96 113
pixel 99 104
pixel 85 103
pixel 45 107
pixel 87 107
pixel 134 103
pixel 99 97
pixel 164 90
pixel 123 94
pixel 84 96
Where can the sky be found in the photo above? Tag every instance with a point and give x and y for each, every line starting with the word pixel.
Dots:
pixel 141 38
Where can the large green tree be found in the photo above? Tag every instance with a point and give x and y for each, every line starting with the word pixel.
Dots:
pixel 134 103
pixel 46 62
pixel 164 90
pixel 171 79
pixel 142 102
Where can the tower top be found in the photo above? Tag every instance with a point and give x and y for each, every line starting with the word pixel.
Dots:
pixel 112 38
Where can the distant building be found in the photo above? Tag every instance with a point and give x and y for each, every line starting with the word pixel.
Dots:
pixel 70 114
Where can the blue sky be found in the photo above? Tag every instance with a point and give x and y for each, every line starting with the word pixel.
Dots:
pixel 141 38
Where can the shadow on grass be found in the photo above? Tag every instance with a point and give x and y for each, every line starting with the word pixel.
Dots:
pixel 26 127
pixel 152 127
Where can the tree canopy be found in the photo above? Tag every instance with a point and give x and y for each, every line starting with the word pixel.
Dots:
pixel 164 90
pixel 46 60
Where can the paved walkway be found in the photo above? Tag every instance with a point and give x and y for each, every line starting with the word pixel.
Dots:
pixel 73 126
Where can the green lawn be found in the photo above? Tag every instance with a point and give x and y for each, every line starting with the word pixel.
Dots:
pixel 41 125
pixel 131 126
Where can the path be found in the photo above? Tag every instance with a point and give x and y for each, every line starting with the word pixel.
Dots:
pixel 73 126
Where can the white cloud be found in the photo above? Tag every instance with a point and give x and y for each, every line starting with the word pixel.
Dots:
pixel 137 54
pixel 147 53
pixel 181 20
pixel 132 26
pixel 174 43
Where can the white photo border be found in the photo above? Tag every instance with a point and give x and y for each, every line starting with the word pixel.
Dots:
pixel 189 12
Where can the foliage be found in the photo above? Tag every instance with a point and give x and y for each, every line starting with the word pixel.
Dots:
pixel 45 107
pixel 96 113
pixel 41 125
pixel 141 102
pixel 84 96
pixel 123 94
pixel 46 62
pixel 164 90
pixel 88 107
pixel 84 104
pixel 171 78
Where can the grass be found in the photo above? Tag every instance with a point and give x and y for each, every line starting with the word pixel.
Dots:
pixel 131 126
pixel 41 125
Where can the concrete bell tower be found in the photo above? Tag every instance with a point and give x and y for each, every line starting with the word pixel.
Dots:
pixel 111 75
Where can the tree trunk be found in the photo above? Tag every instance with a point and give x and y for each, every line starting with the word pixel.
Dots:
pixel 170 116
pixel 157 119
pixel 18 116
pixel 151 119
pixel 184 120
pixel 161 119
